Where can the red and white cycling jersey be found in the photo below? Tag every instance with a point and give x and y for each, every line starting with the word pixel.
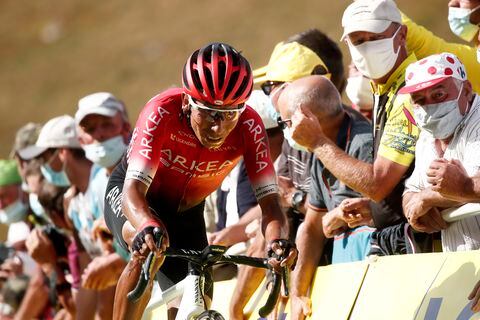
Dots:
pixel 166 155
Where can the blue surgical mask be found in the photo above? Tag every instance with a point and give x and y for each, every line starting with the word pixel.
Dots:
pixel 459 21
pixel 35 205
pixel 107 153
pixel 14 212
pixel 440 119
pixel 58 179
pixel 288 136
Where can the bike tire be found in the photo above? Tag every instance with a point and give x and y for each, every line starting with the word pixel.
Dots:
pixel 210 315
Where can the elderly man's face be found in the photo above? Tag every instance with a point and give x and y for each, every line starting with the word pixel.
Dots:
pixel 96 128
pixel 444 91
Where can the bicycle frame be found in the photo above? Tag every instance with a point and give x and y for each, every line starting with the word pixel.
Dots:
pixel 192 287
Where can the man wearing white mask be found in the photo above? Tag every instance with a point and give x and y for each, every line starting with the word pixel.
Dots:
pixel 103 131
pixel 448 112
pixel 376 40
pixel 103 128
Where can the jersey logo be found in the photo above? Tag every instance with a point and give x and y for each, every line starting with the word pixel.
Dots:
pixel 193 167
pixel 261 147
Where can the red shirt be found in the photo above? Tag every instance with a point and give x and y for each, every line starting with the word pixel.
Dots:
pixel 180 172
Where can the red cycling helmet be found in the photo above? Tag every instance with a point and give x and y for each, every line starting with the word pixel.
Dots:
pixel 218 75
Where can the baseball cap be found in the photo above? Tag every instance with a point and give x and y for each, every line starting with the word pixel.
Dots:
pixel 25 137
pixel 56 133
pixel 103 103
pixel 369 15
pixel 431 70
pixel 263 105
pixel 9 173
pixel 288 62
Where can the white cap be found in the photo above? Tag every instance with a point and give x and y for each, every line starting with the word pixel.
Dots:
pixel 432 70
pixel 58 132
pixel 369 15
pixel 263 105
pixel 103 103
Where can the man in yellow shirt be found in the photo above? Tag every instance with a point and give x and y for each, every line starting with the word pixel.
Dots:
pixel 376 39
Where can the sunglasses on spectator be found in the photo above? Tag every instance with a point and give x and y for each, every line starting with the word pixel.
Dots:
pixel 213 114
pixel 283 124
pixel 267 86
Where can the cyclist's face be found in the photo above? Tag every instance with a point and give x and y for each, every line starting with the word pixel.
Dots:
pixel 210 128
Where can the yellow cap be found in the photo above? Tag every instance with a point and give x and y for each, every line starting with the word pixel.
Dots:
pixel 288 62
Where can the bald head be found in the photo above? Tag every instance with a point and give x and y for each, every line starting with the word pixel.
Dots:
pixel 317 93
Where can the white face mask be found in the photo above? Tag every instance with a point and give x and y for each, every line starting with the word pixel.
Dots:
pixel 288 136
pixel 107 153
pixel 440 119
pixel 14 212
pixel 374 59
pixel 359 92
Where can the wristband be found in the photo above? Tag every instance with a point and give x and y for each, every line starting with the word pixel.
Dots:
pixel 149 223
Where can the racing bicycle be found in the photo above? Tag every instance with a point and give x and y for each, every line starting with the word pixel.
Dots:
pixel 192 288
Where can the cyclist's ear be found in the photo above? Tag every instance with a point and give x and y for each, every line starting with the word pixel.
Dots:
pixel 185 106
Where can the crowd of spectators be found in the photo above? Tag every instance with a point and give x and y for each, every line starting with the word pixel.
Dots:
pixel 369 177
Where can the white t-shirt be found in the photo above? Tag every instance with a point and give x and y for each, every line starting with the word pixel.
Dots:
pixel 87 207
pixel 464 234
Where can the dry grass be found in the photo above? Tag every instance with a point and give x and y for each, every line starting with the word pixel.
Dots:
pixel 54 52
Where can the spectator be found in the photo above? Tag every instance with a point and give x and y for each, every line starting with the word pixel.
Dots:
pixel 464 18
pixel 447 111
pixel 25 138
pixel 319 96
pixel 371 27
pixel 104 132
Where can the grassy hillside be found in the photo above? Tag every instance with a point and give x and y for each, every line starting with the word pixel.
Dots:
pixel 54 52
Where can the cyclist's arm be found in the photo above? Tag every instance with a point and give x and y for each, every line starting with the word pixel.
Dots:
pixel 143 156
pixel 261 174
pixel 274 223
pixel 134 203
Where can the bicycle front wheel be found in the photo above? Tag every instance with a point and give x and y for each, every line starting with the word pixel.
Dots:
pixel 210 315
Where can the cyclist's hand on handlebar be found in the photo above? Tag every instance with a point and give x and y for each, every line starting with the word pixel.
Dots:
pixel 152 235
pixel 282 253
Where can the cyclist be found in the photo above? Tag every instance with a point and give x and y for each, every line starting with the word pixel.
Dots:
pixel 184 143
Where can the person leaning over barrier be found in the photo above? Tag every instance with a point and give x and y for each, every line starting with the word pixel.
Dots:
pixel 448 113
pixel 319 95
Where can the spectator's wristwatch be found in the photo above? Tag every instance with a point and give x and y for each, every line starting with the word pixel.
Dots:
pixel 298 198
